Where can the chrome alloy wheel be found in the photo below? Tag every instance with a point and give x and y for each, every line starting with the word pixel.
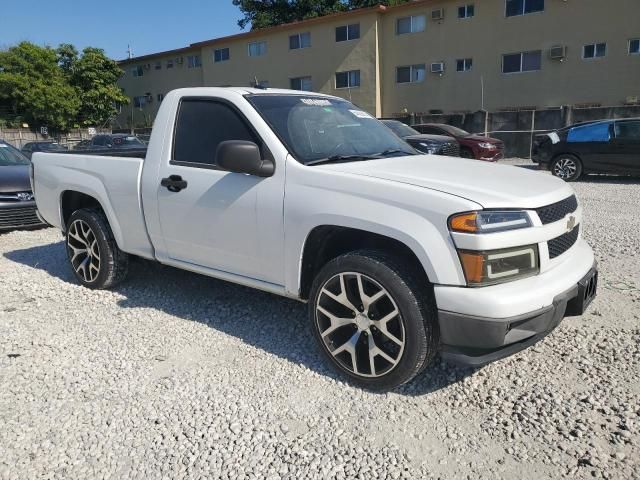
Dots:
pixel 565 168
pixel 360 324
pixel 84 252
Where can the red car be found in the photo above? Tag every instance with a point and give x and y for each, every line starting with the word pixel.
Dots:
pixel 471 146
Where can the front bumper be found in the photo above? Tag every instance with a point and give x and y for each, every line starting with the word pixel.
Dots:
pixel 14 215
pixel 475 341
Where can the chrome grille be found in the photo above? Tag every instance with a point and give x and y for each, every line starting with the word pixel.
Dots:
pixel 450 149
pixel 557 211
pixel 561 244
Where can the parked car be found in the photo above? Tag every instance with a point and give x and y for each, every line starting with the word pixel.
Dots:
pixel 17 205
pixel 471 146
pixel 605 146
pixel 398 255
pixel 117 141
pixel 32 147
pixel 430 144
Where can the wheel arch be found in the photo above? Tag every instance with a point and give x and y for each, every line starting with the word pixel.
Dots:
pixel 75 199
pixel 326 242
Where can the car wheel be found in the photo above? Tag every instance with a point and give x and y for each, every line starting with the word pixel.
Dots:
pixel 95 258
pixel 567 167
pixel 374 319
pixel 467 153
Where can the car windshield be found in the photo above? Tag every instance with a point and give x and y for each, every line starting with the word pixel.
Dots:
pixel 400 129
pixel 316 129
pixel 130 141
pixel 455 131
pixel 10 156
pixel 51 147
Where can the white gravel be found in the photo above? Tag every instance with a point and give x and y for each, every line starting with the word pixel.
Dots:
pixel 176 375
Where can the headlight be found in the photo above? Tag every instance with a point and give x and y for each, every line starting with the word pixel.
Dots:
pixel 488 146
pixel 430 148
pixel 498 266
pixel 489 221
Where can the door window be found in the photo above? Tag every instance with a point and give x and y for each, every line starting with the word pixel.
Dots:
pixel 201 126
pixel 628 130
pixel 99 141
pixel 600 132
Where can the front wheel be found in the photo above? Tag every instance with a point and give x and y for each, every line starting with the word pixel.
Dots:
pixel 567 167
pixel 95 258
pixel 374 319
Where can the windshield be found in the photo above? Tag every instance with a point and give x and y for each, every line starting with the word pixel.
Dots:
pixel 455 131
pixel 10 156
pixel 400 129
pixel 51 147
pixel 127 142
pixel 316 128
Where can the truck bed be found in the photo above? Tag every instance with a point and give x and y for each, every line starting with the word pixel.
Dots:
pixel 114 181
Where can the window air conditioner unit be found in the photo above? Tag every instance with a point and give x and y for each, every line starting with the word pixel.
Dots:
pixel 180 60
pixel 147 66
pixel 437 67
pixel 558 52
pixel 437 14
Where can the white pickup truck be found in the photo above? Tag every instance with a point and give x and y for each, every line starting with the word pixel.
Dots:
pixel 399 255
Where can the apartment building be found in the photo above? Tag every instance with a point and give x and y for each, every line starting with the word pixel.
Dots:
pixel 419 57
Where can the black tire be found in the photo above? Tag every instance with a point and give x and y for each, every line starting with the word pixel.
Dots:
pixel 414 299
pixel 467 153
pixel 113 264
pixel 567 167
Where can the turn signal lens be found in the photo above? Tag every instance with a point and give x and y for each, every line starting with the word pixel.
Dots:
pixel 499 266
pixel 489 221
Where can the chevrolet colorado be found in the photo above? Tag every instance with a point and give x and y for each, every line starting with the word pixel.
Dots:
pixel 399 255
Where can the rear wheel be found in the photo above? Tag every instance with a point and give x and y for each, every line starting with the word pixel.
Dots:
pixel 374 319
pixel 567 167
pixel 95 258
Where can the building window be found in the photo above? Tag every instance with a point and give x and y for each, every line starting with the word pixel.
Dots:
pixel 522 62
pixel 160 97
pixel 221 55
pixel 193 61
pixel 466 11
pixel 464 64
pixel 158 65
pixel 170 63
pixel 634 46
pixel 413 24
pixel 522 7
pixel 410 74
pixel 348 32
pixel 349 79
pixel 140 101
pixel 300 40
pixel 595 50
pixel 301 83
pixel 257 49
pixel 137 71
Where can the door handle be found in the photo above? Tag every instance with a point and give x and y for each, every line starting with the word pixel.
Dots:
pixel 174 183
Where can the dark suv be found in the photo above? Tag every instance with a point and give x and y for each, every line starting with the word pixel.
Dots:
pixel 604 146
pixel 430 144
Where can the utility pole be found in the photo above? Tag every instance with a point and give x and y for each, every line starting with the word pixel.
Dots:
pixel 129 52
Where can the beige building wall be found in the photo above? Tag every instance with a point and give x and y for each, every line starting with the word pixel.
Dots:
pixel 489 34
pixel 485 38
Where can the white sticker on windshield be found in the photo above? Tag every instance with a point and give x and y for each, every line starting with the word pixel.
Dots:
pixel 360 114
pixel 554 137
pixel 316 102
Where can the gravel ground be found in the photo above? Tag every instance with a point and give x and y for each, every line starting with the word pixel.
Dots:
pixel 176 375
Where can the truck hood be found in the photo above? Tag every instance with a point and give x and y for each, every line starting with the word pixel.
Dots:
pixel 488 184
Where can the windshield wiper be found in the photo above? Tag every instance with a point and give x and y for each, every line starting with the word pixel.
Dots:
pixel 342 158
pixel 393 151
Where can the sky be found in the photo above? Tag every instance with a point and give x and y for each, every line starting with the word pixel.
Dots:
pixel 147 25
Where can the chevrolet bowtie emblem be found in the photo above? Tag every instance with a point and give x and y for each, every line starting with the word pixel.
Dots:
pixel 571 223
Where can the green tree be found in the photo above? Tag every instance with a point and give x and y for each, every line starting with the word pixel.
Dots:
pixel 95 77
pixel 269 13
pixel 34 86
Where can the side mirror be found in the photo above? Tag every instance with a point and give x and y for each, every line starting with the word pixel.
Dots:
pixel 239 156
